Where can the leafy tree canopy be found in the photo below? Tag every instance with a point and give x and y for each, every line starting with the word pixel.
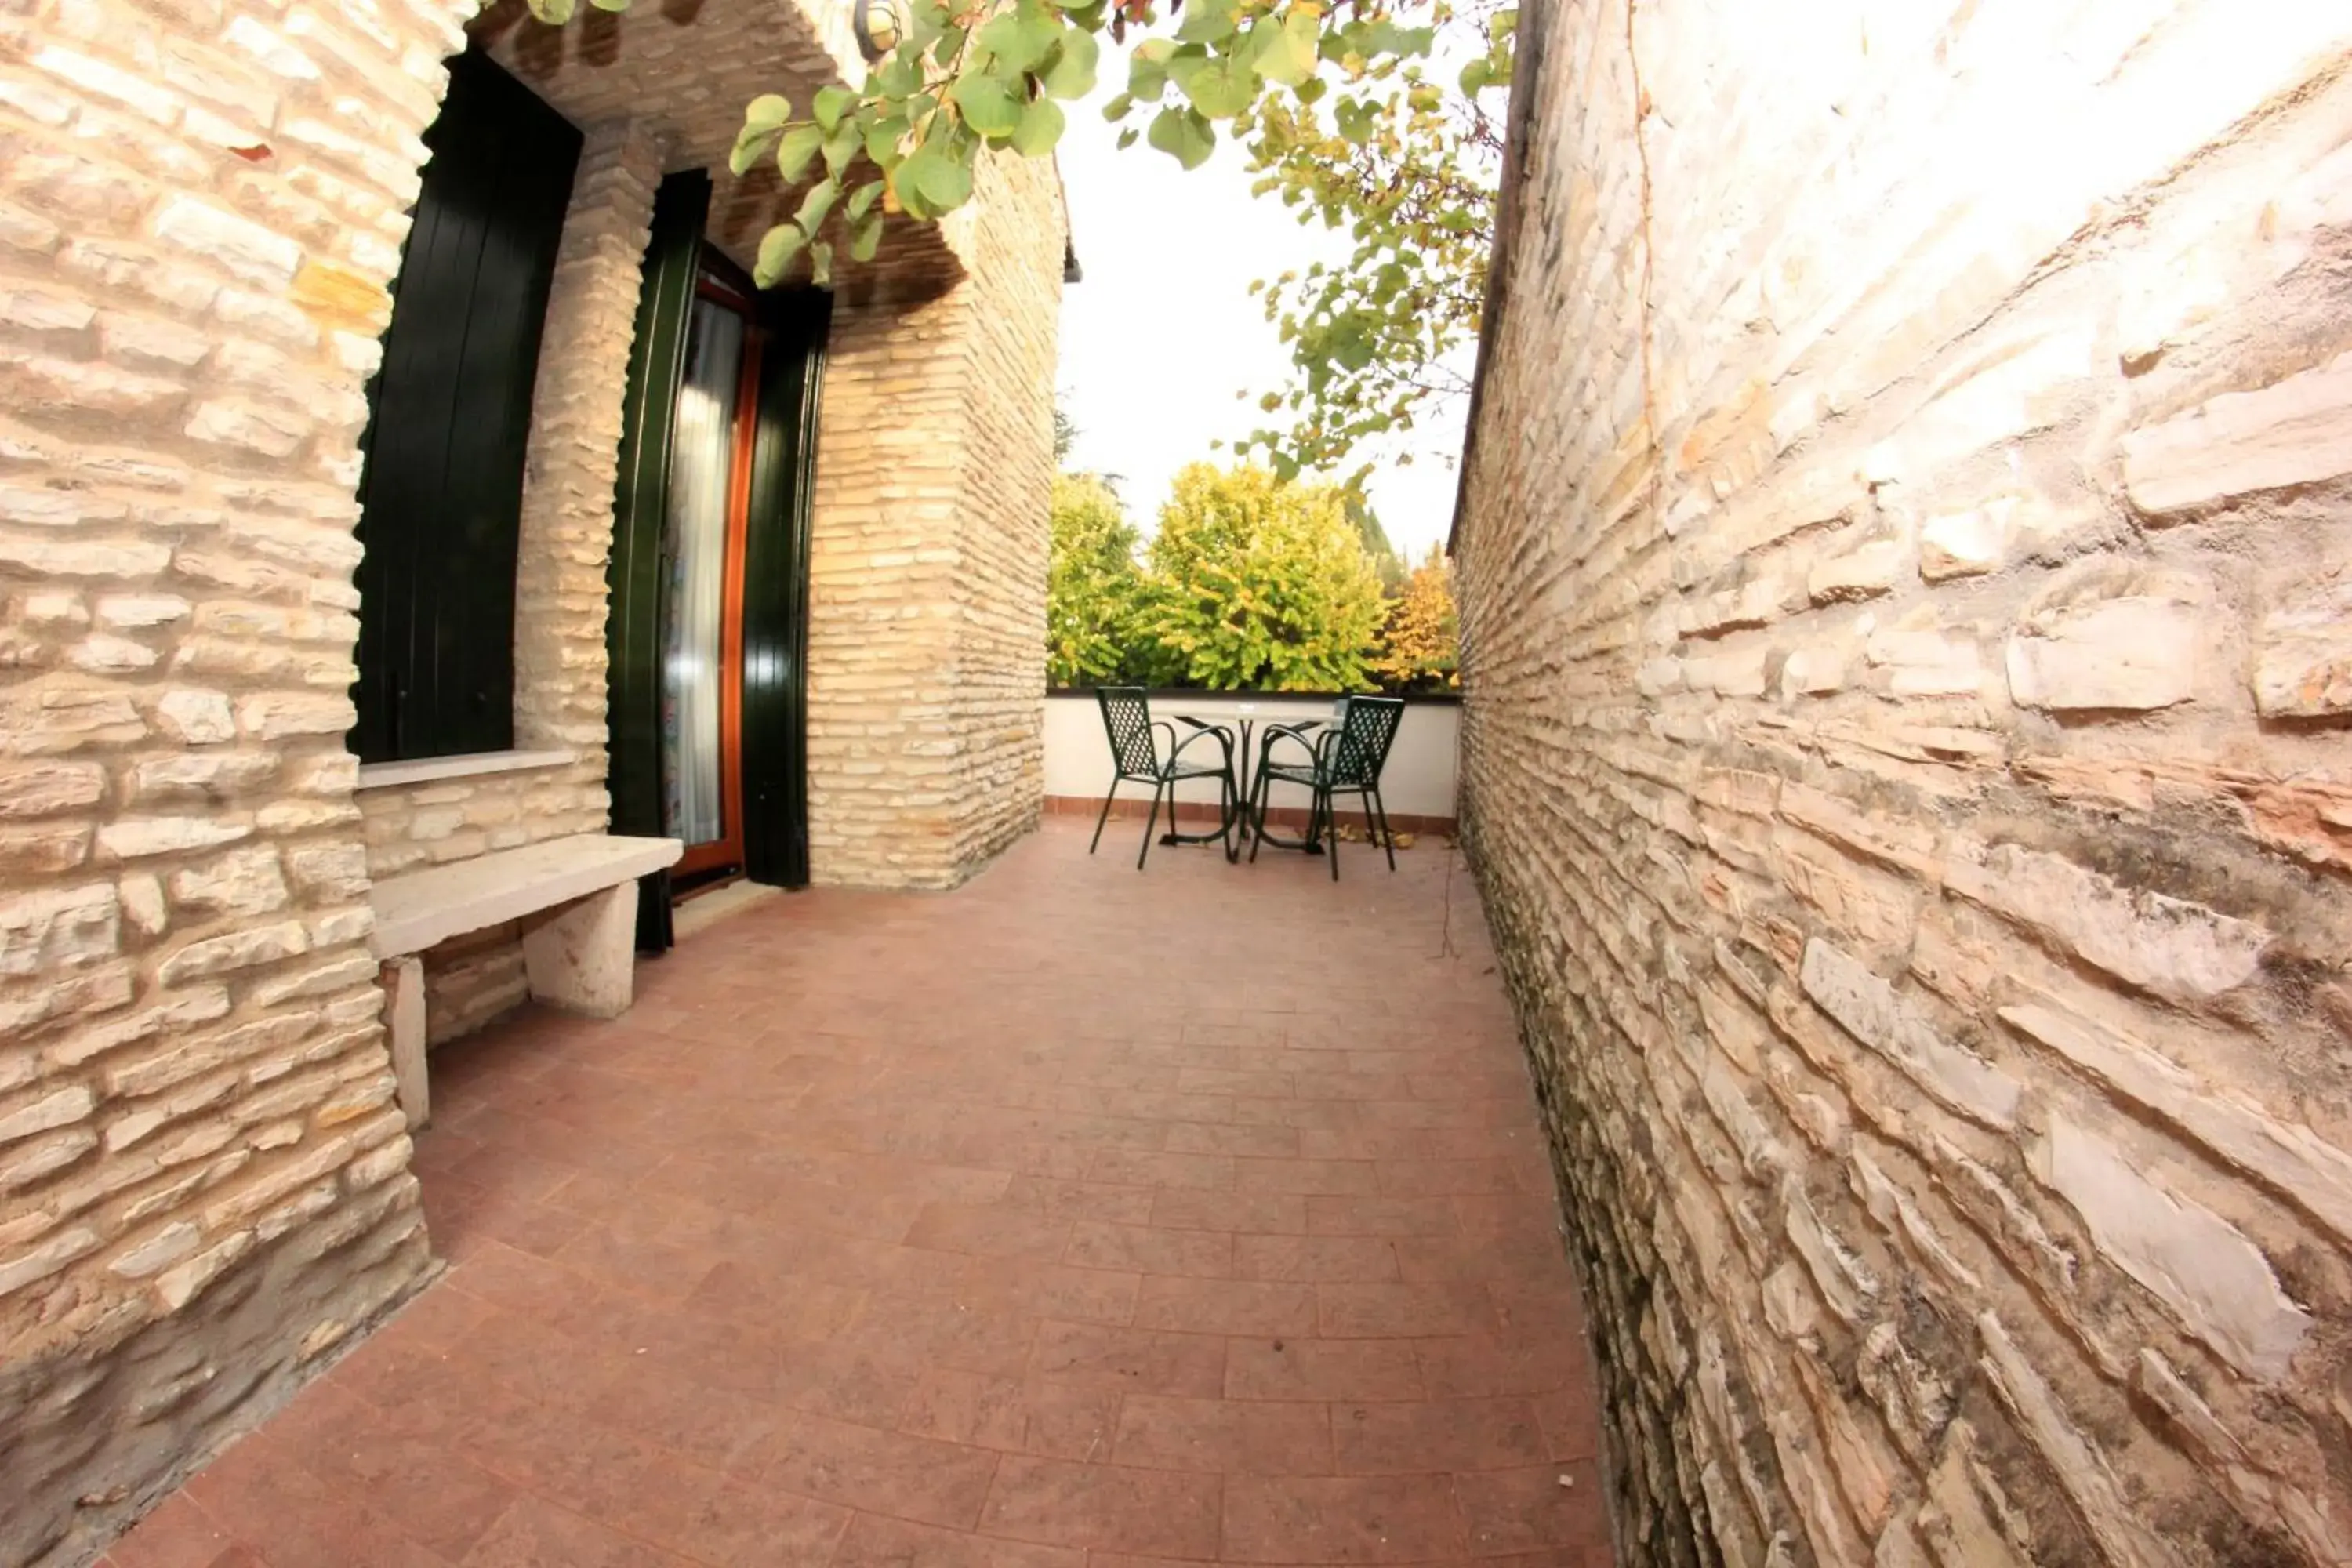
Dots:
pixel 1418 648
pixel 970 74
pixel 1261 584
pixel 1094 586
pixel 1408 168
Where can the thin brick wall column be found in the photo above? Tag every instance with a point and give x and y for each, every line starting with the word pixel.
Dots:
pixel 882 609
pixel 927 594
pixel 561 599
pixel 1006 534
pixel 1906 580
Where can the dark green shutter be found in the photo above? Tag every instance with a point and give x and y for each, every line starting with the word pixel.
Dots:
pixel 633 632
pixel 441 501
pixel 775 590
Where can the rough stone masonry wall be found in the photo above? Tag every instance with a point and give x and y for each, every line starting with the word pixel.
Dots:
pixel 561 600
pixel 925 665
pixel 1906 575
pixel 1006 532
pixel 203 1183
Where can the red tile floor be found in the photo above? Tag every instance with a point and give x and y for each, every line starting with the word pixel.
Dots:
pixel 1077 1218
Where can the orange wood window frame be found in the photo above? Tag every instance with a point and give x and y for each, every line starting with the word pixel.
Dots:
pixel 727 850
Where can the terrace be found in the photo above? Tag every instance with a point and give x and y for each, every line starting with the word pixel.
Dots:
pixel 1040 1222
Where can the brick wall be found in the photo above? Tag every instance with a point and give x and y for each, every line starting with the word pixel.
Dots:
pixel 927 670
pixel 1005 534
pixel 1906 630
pixel 203 1185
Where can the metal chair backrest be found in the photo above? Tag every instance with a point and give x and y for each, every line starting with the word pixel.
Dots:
pixel 1127 721
pixel 1366 732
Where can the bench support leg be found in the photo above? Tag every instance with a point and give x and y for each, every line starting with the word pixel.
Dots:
pixel 403 1015
pixel 584 958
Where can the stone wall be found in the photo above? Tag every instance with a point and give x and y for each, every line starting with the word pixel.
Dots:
pixel 204 1181
pixel 1909 649
pixel 203 1184
pixel 926 665
pixel 1006 530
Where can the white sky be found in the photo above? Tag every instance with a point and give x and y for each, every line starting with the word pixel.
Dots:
pixel 1163 332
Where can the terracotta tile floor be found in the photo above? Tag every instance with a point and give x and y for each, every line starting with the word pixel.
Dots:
pixel 1076 1219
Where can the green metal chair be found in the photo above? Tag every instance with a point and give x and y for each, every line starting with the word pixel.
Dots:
pixel 1301 734
pixel 1127 722
pixel 1346 758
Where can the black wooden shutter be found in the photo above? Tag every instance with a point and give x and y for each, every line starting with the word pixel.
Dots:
pixel 632 631
pixel 640 503
pixel 441 499
pixel 776 590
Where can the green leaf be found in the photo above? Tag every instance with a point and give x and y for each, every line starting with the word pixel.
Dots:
pixel 555 13
pixel 1184 135
pixel 831 102
pixel 816 204
pixel 841 147
pixel 923 24
pixel 1208 22
pixel 767 112
pixel 777 248
pixel 862 200
pixel 899 75
pixel 930 183
pixel 794 150
pixel 1019 39
pixel 882 140
pixel 988 104
pixel 1219 89
pixel 1070 73
pixel 1117 107
pixel 1287 54
pixel 610 5
pixel 1040 128
pixel 866 240
pixel 1147 69
pixel 946 183
pixel 751 144
pixel 820 264
pixel 1126 138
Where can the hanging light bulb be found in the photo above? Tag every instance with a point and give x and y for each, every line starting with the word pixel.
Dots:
pixel 880 25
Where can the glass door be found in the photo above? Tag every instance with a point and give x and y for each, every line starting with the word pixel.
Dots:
pixel 702 587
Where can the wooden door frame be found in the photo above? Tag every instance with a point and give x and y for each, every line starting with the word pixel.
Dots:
pixel 728 849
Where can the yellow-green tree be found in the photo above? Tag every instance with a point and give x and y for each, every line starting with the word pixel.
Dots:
pixel 1263 583
pixel 1094 586
pixel 1420 646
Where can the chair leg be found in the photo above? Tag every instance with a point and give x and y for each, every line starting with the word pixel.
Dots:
pixel 1151 822
pixel 1388 839
pixel 1105 816
pixel 1330 832
pixel 1257 810
pixel 1229 829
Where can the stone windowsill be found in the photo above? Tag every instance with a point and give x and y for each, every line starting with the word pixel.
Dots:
pixel 472 765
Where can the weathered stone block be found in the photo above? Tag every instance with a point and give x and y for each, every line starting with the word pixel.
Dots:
pixel 2302 650
pixel 2293 432
pixel 2190 1258
pixel 2133 653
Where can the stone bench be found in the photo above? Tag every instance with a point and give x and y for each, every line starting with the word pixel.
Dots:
pixel 578 900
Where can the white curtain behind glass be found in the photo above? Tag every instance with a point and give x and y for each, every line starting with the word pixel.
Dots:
pixel 702 453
